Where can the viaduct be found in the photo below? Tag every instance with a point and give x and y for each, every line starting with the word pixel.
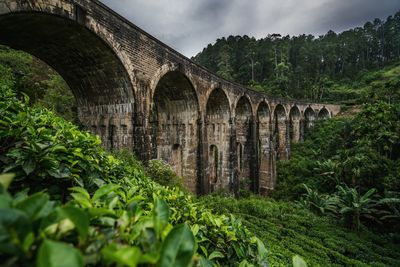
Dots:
pixel 137 93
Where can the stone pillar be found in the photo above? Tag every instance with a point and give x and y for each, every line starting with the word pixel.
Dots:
pixel 287 140
pixel 296 128
pixel 202 186
pixel 282 139
pixel 254 157
pixel 234 175
pixel 302 130
pixel 142 136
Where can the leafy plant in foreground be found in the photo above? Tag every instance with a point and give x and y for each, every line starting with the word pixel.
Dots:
pixel 100 204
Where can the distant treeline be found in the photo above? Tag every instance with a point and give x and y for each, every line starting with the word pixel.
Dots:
pixel 305 66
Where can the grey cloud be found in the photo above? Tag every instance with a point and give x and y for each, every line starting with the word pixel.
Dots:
pixel 189 25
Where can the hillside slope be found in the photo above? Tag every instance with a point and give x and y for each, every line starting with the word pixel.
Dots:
pixel 306 67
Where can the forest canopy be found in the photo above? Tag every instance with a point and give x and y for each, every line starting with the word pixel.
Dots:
pixel 323 68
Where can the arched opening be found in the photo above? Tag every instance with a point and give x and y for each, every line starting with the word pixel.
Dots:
pixel 323 114
pixel 264 148
pixel 218 135
pixel 174 124
pixel 309 119
pixel 294 125
pixel 280 132
pixel 244 118
pixel 213 159
pixel 94 73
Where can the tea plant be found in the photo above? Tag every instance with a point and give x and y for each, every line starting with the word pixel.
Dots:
pixel 71 199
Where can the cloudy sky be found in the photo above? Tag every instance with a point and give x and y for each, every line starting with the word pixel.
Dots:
pixel 189 25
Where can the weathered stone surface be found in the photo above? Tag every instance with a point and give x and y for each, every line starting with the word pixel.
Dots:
pixel 137 93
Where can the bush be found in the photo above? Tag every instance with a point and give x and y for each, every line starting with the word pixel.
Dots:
pixel 163 174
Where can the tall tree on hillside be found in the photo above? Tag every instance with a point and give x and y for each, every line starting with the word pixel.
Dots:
pixel 225 69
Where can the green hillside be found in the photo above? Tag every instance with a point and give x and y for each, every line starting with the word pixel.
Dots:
pixel 322 68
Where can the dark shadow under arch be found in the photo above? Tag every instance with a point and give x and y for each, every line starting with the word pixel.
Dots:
pixel 309 119
pixel 324 114
pixel 92 70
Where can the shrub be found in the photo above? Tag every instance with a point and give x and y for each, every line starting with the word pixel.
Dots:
pixel 163 174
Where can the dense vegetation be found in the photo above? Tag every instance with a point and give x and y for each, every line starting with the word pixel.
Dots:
pixel 289 229
pixel 43 85
pixel 349 167
pixel 324 68
pixel 66 202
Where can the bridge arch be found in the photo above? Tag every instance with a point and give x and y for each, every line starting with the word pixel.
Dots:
pixel 309 119
pixel 264 147
pixel 218 132
pixel 323 114
pixel 294 124
pixel 174 125
pixel 89 64
pixel 95 71
pixel 243 123
pixel 280 132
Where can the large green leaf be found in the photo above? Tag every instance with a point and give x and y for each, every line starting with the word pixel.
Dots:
pixel 57 254
pixel 178 248
pixel 14 221
pixel 215 254
pixel 78 217
pixel 29 166
pixel 298 261
pixel 6 179
pixel 160 216
pixel 34 204
pixel 104 190
pixel 122 255
pixel 262 253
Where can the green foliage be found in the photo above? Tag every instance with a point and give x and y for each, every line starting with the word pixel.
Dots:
pixel 331 67
pixel 163 174
pixel 112 207
pixel 178 248
pixel 298 261
pixel 354 164
pixel 57 254
pixel 44 150
pixel 354 206
pixel 318 203
pixel 290 230
pixel 30 76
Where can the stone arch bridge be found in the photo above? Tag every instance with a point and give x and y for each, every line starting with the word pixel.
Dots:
pixel 137 93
